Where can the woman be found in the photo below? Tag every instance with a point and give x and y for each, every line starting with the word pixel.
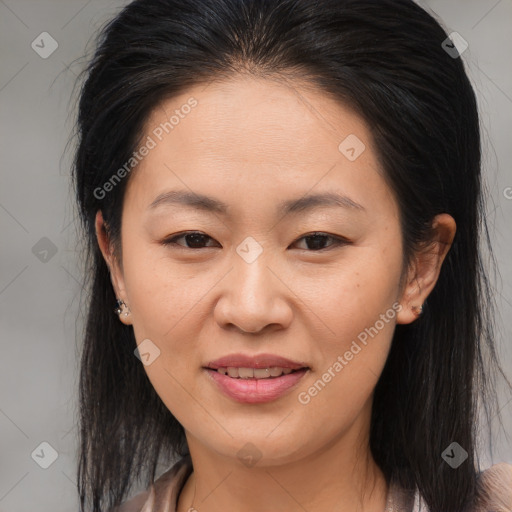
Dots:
pixel 283 197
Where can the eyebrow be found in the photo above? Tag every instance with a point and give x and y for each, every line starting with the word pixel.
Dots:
pixel 211 204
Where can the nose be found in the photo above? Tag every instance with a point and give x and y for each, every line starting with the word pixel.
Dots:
pixel 253 298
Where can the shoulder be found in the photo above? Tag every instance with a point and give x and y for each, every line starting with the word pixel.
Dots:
pixel 494 491
pixel 162 494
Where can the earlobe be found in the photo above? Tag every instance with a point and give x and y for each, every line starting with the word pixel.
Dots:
pixel 425 271
pixel 123 311
pixel 412 300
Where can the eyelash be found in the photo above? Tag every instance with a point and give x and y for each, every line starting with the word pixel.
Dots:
pixel 337 241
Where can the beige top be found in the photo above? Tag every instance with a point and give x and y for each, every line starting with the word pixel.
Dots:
pixel 494 492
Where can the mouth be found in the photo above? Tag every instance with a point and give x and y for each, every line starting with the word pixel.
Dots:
pixel 272 372
pixel 255 379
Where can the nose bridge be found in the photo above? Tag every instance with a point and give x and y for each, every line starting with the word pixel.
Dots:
pixel 254 296
pixel 252 279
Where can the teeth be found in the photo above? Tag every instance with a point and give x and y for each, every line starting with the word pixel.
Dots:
pixel 254 373
pixel 261 373
pixel 245 373
pixel 233 372
pixel 275 371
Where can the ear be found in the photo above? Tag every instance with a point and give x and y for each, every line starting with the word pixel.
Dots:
pixel 425 268
pixel 116 273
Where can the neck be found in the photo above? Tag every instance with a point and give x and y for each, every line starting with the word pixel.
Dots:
pixel 342 477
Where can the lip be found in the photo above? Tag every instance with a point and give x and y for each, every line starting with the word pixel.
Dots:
pixel 255 391
pixel 257 361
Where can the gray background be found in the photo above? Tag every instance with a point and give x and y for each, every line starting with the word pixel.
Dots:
pixel 39 292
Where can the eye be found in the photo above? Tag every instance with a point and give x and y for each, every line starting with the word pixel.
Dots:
pixel 196 240
pixel 193 240
pixel 316 241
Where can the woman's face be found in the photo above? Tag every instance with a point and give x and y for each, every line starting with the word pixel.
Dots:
pixel 255 284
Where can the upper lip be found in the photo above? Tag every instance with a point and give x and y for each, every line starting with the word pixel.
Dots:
pixel 256 361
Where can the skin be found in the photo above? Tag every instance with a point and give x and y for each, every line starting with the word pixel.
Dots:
pixel 253 143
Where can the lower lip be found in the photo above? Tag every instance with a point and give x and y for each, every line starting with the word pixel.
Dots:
pixel 256 391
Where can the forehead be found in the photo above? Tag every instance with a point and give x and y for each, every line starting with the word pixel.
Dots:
pixel 268 117
pixel 258 136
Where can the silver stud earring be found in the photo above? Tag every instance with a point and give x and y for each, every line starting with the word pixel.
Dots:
pixel 120 306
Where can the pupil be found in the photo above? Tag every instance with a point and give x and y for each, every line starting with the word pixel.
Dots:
pixel 318 238
pixel 196 239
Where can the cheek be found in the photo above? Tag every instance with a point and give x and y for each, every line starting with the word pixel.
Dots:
pixel 352 295
pixel 358 308
pixel 163 294
pixel 351 358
